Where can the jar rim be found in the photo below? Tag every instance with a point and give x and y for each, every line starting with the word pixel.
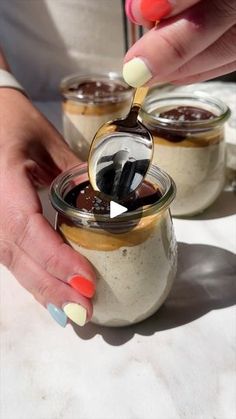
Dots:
pixel 179 98
pixel 109 77
pixel 60 205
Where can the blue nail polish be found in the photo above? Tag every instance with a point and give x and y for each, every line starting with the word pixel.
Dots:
pixel 57 314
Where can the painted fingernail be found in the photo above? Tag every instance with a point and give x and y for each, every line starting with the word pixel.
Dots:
pixel 136 72
pixel 76 313
pixel 82 285
pixel 128 11
pixel 57 314
pixel 153 10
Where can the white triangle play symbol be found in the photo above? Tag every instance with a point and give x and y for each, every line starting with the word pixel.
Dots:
pixel 116 209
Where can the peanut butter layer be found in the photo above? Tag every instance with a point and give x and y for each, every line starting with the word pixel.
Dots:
pixel 76 108
pixel 105 241
pixel 202 140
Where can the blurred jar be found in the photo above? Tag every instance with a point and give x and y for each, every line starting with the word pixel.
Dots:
pixel 188 132
pixel 134 254
pixel 88 102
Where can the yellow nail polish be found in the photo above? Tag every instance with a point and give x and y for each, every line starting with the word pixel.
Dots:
pixel 76 313
pixel 136 72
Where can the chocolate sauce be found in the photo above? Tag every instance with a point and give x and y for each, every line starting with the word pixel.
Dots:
pixel 180 115
pixel 97 89
pixel 187 113
pixel 86 199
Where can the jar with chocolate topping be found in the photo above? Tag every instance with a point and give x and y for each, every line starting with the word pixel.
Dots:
pixel 88 102
pixel 188 134
pixel 134 253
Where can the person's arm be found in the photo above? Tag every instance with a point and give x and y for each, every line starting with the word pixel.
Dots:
pixel 194 41
pixel 32 154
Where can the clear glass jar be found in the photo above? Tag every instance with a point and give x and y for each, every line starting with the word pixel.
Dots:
pixel 192 152
pixel 134 254
pixel 88 102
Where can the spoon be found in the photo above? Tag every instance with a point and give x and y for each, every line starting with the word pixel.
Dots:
pixel 120 153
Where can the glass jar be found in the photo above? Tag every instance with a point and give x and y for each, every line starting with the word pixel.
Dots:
pixel 134 254
pixel 88 102
pixel 190 148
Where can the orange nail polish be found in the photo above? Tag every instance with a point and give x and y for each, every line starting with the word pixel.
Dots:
pixel 82 285
pixel 153 10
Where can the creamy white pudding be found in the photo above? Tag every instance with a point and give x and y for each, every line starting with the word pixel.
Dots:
pixel 133 279
pixel 134 255
pixel 198 172
pixel 89 102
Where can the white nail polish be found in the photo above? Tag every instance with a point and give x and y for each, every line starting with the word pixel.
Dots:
pixel 136 72
pixel 76 312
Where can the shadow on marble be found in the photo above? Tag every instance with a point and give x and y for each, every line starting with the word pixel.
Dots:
pixel 205 281
pixel 224 206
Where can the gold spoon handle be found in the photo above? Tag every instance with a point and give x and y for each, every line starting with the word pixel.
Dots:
pixel 139 96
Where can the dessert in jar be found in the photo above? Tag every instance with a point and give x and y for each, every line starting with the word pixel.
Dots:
pixel 134 254
pixel 188 133
pixel 88 102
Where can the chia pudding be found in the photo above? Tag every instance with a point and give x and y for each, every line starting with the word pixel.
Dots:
pixel 134 254
pixel 189 145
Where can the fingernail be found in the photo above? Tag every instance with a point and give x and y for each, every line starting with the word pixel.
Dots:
pixel 76 312
pixel 136 72
pixel 153 10
pixel 128 11
pixel 82 285
pixel 57 314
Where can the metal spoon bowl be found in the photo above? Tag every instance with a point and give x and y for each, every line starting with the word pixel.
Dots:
pixel 121 153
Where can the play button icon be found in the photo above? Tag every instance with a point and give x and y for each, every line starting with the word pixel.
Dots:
pixel 116 209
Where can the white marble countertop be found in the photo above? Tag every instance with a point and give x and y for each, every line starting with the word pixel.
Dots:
pixel 180 363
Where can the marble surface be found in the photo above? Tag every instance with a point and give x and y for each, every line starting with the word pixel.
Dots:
pixel 179 364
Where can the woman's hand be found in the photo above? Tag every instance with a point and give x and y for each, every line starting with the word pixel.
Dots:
pixel 32 154
pixel 195 41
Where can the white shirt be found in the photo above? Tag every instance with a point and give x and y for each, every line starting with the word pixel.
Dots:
pixel 45 40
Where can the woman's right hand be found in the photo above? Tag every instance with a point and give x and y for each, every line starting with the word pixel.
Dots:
pixel 194 41
pixel 32 154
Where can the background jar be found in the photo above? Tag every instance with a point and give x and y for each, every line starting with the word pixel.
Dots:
pixel 192 152
pixel 134 254
pixel 88 102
